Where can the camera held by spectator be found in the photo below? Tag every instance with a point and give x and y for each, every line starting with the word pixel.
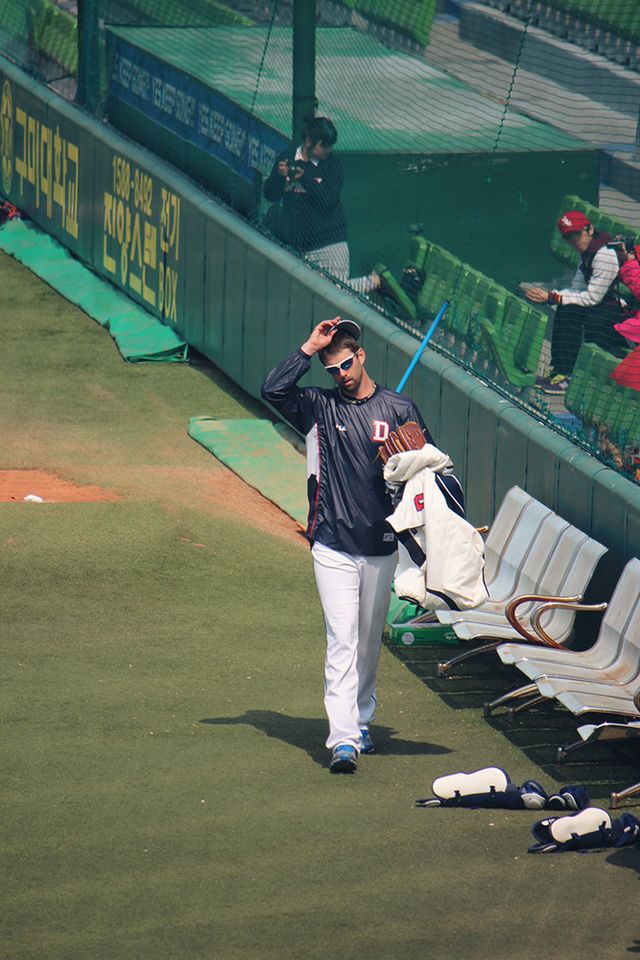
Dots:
pixel 292 169
pixel 624 245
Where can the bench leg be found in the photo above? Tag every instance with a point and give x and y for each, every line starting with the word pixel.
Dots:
pixel 444 665
pixel 624 795
pixel 521 707
pixel 506 697
pixel 563 752
pixel 615 732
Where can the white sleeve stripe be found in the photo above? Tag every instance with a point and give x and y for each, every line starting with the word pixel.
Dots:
pixel 313 453
pixel 448 494
pixel 605 271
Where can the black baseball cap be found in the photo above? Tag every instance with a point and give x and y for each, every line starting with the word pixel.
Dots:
pixel 347 326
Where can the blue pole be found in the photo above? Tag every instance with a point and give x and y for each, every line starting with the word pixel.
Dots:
pixel 423 346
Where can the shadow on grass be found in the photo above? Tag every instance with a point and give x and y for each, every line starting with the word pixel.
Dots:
pixel 538 732
pixel 627 857
pixel 309 734
pixel 469 685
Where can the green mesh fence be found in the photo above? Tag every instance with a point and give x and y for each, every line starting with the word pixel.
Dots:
pixel 40 36
pixel 464 133
pixel 601 25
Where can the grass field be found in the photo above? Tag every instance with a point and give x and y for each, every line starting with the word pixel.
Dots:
pixel 165 789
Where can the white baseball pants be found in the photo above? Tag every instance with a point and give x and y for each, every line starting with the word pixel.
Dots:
pixel 355 593
pixel 334 258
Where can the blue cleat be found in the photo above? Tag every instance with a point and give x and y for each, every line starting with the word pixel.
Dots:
pixel 366 743
pixel 344 759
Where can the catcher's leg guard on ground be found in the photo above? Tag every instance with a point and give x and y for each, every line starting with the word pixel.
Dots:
pixel 355 594
pixel 590 829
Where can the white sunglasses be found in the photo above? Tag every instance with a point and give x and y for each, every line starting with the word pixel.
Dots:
pixel 345 365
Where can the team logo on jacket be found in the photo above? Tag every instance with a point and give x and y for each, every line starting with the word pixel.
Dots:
pixel 380 431
pixel 418 501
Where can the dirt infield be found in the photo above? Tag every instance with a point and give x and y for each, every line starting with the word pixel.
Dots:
pixel 15 485
pixel 217 490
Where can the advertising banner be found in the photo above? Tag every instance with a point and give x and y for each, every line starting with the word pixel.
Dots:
pixel 195 112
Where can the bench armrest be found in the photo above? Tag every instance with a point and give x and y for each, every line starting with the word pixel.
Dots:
pixel 535 619
pixel 511 616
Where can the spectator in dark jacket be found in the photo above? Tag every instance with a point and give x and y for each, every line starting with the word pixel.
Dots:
pixel 306 183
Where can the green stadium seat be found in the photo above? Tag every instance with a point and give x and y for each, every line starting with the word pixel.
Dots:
pixel 441 271
pixel 494 305
pixel 629 427
pixel 419 249
pixel 577 392
pixel 591 387
pixel 603 363
pixel 607 223
pixel 625 415
pixel 513 318
pixel 597 384
pixel 587 357
pixel 529 348
pixel 605 409
pixel 480 308
pixel 513 345
pixel 391 288
pixel 462 303
pixel 415 269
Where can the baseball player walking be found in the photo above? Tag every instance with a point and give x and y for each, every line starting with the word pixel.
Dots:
pixel 353 548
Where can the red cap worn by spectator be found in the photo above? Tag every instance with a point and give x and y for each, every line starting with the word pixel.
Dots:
pixel 572 222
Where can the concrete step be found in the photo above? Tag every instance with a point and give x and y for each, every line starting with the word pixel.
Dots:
pixel 619 205
pixel 568 64
pixel 543 97
pixel 574 28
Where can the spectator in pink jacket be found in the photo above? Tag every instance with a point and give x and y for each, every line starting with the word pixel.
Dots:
pixel 627 373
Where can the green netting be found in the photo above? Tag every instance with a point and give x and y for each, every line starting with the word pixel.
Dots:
pixel 616 16
pixel 138 335
pixel 413 19
pixel 179 13
pixel 259 453
pixel 462 135
pixel 40 36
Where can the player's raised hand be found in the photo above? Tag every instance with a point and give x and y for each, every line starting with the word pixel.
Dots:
pixel 321 336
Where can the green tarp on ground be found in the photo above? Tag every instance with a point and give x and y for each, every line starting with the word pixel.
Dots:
pixel 259 453
pixel 138 335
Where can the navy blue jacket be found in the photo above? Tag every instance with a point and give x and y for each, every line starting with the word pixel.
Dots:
pixel 348 500
pixel 312 210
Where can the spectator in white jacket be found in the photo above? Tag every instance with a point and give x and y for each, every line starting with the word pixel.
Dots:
pixel 589 308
